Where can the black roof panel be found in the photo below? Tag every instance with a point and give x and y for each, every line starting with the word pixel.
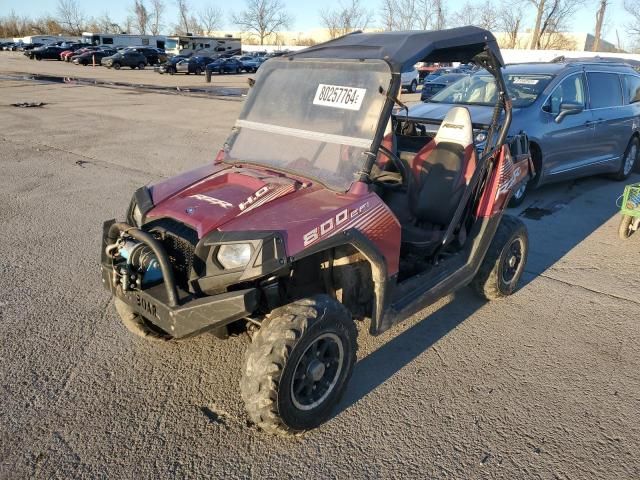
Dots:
pixel 403 49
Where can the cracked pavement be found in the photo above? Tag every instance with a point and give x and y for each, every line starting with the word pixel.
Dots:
pixel 544 384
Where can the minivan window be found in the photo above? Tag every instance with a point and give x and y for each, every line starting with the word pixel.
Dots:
pixel 604 90
pixel 632 88
pixel 569 91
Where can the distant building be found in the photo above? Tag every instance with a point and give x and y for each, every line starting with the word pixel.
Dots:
pixel 577 41
pixel 558 41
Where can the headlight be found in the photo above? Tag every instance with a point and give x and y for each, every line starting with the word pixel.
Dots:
pixel 136 215
pixel 234 255
pixel 480 137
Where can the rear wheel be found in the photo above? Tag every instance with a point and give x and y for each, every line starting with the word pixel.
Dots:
pixel 626 228
pixel 629 159
pixel 198 71
pixel 298 365
pixel 413 88
pixel 141 65
pixel 137 324
pixel 504 263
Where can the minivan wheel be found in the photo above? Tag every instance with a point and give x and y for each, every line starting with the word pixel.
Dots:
pixel 116 66
pixel 298 365
pixel 629 159
pixel 504 262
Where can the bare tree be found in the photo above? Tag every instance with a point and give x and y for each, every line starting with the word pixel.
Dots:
pixel 262 18
pixel 156 12
pixel 632 9
pixel 599 24
pixel 484 15
pixel 510 22
pixel 348 17
pixel 141 16
pixel 407 14
pixel 210 18
pixel 439 14
pixel 71 16
pixel 551 20
pixel 183 17
pixel 104 24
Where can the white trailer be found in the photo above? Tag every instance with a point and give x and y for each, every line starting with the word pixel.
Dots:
pixel 124 40
pixel 210 46
pixel 46 39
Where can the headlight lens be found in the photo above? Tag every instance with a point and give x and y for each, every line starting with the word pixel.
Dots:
pixel 480 137
pixel 136 214
pixel 234 255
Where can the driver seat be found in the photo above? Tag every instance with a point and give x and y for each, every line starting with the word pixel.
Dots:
pixel 441 170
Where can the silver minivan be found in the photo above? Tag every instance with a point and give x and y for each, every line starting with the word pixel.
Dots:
pixel 582 118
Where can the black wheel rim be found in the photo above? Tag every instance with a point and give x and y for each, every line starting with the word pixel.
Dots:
pixel 317 371
pixel 512 260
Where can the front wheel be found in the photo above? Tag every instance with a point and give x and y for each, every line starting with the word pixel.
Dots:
pixel 504 262
pixel 137 324
pixel 629 159
pixel 413 88
pixel 298 365
pixel 116 66
pixel 198 71
pixel 141 66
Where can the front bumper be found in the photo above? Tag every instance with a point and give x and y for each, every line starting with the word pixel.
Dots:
pixel 193 315
pixel 175 311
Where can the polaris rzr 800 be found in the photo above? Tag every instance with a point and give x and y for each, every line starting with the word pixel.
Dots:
pixel 327 204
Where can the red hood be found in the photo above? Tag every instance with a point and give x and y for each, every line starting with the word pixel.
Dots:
pixel 221 197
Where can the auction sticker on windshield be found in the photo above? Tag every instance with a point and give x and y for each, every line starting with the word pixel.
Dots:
pixel 348 98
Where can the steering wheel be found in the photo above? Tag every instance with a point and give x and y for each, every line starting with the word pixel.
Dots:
pixel 387 178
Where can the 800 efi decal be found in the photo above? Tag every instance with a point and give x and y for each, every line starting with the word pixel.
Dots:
pixel 345 219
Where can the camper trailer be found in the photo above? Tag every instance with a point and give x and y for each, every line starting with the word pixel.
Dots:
pixel 124 40
pixel 209 46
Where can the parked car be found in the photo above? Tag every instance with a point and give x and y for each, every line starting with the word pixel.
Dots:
pixel 223 65
pixel 253 63
pixel 87 58
pixel 152 55
pixel 410 79
pixel 25 47
pixel 582 118
pixel 429 89
pixel 442 71
pixel 49 52
pixel 71 50
pixel 125 58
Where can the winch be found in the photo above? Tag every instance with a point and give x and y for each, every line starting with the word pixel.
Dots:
pixel 142 267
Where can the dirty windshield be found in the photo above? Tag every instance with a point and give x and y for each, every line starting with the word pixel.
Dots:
pixel 315 118
pixel 480 89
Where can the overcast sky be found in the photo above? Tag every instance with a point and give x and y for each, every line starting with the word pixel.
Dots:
pixel 304 12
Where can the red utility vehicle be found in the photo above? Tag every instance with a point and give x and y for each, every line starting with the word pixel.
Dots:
pixel 323 208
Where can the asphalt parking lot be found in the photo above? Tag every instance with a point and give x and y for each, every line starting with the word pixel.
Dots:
pixel 544 384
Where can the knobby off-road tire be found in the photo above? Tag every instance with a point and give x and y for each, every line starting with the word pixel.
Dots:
pixel 504 263
pixel 625 231
pixel 298 365
pixel 137 324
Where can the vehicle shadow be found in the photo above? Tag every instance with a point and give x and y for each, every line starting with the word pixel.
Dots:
pixel 558 218
pixel 380 365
